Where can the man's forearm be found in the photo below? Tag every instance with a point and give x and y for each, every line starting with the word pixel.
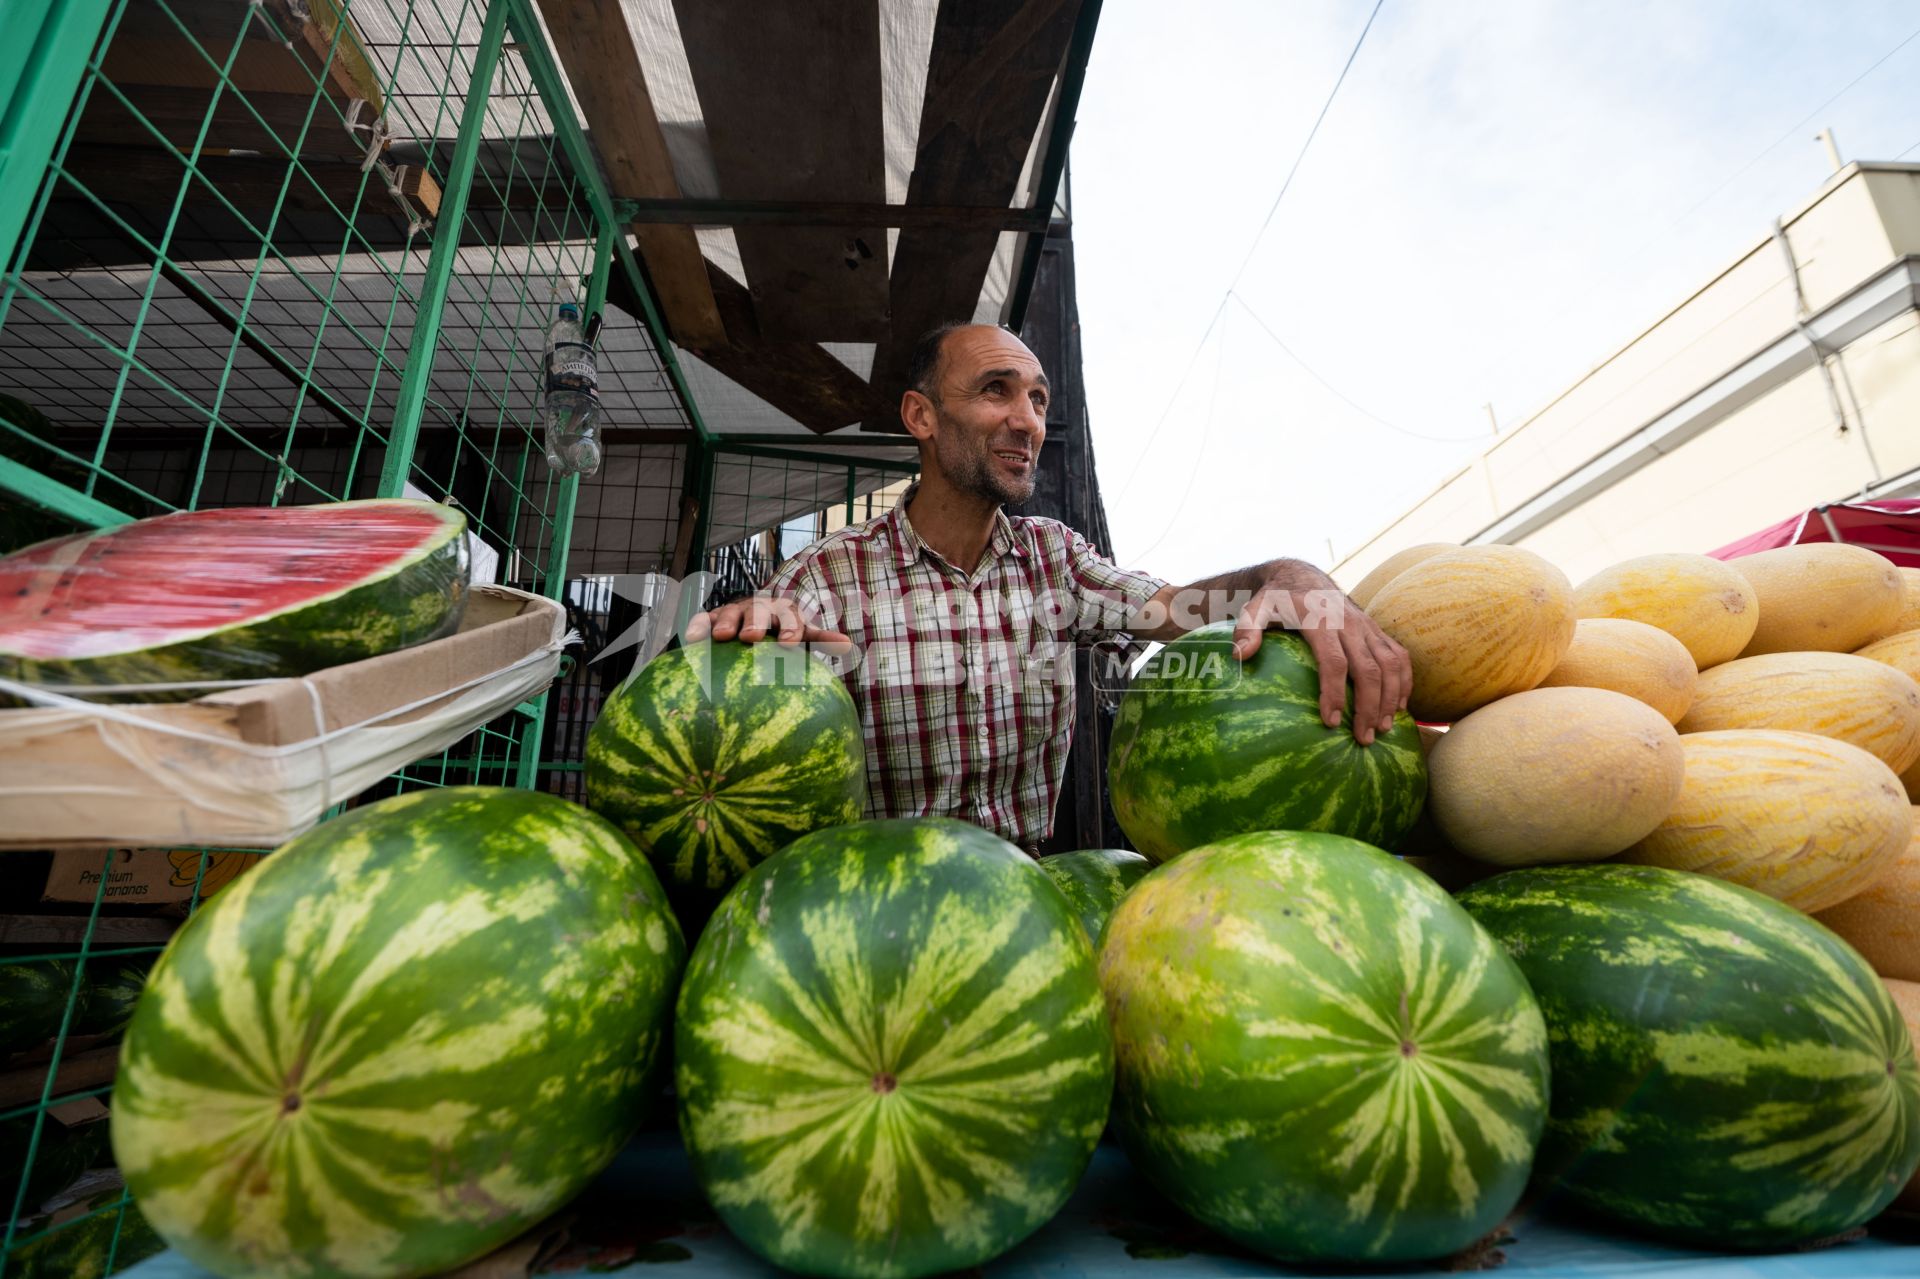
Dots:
pixel 1178 610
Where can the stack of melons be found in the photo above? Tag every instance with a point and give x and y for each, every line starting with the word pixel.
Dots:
pixel 1753 720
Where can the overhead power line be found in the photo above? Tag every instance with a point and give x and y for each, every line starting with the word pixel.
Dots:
pixel 1266 222
pixel 1342 396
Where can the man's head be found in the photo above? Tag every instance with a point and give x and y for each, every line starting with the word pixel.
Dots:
pixel 977 402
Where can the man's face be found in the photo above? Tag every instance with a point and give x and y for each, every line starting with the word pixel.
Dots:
pixel 990 416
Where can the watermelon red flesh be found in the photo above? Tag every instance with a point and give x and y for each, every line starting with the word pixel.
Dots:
pixel 400 1040
pixel 233 593
pixel 1205 748
pixel 1726 1072
pixel 891 1053
pixel 1319 1053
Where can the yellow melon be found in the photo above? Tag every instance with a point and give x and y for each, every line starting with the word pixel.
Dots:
pixel 1901 650
pixel 1479 623
pixel 1698 600
pixel 1909 619
pixel 1882 921
pixel 1393 566
pixel 1804 818
pixel 1906 995
pixel 1554 775
pixel 1870 704
pixel 1821 597
pixel 1642 661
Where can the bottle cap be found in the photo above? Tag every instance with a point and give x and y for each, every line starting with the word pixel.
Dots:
pixel 570 310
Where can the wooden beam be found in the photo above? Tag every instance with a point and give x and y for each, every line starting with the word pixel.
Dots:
pixel 835 213
pixel 989 73
pixel 791 99
pixel 167 63
pixel 801 379
pixel 89 1069
pixel 151 176
pixel 602 65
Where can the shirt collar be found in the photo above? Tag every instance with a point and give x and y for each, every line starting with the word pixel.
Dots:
pixel 908 546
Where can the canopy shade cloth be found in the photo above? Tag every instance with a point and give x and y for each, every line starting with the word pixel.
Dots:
pixel 1891 527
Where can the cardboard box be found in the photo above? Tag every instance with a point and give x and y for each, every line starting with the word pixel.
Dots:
pixel 140 876
pixel 252 767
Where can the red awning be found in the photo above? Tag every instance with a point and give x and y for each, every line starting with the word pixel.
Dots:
pixel 1890 527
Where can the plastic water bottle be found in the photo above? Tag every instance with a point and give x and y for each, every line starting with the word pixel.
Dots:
pixel 571 408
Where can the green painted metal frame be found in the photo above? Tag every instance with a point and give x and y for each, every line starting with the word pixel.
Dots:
pixel 42 59
pixel 1072 79
pixel 45 491
pixel 528 775
pixel 696 472
pixel 735 448
pixel 412 399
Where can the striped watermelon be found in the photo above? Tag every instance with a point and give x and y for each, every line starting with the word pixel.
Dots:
pixel 1320 1055
pixel 715 756
pixel 1094 880
pixel 400 1040
pixel 1726 1072
pixel 891 1054
pixel 239 593
pixel 34 995
pixel 1203 749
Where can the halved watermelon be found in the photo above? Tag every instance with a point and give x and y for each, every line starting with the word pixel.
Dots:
pixel 241 593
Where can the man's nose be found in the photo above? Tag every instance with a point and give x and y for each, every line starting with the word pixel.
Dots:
pixel 1028 417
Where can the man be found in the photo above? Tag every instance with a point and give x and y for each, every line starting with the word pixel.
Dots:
pixel 948 604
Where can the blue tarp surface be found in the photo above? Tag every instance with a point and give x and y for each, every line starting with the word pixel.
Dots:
pixel 644 1217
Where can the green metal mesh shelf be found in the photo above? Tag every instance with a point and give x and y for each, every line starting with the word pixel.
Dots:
pixel 287 252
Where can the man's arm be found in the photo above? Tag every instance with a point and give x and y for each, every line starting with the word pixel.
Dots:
pixel 1296 596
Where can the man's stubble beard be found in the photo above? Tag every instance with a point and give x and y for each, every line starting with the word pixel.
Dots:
pixel 972 472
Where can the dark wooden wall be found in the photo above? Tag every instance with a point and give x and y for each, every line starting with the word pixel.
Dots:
pixel 1068 490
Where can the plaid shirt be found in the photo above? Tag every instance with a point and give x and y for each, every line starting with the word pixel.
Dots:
pixel 964 681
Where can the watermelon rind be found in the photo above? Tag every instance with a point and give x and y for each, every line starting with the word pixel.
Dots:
pixel 413 599
pixel 1727 1073
pixel 1319 1054
pixel 715 756
pixel 890 1052
pixel 398 1041
pixel 34 994
pixel 1094 880
pixel 1205 748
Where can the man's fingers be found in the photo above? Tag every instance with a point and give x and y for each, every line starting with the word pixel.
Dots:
pixel 1365 672
pixel 1247 629
pixel 1333 673
pixel 698 627
pixel 1392 688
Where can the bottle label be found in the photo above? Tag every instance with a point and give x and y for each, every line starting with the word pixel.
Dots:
pixel 570 367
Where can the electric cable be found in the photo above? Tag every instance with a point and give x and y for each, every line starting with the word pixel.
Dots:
pixel 1273 208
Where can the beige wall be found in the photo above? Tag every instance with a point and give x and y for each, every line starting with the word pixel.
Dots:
pixel 1776 455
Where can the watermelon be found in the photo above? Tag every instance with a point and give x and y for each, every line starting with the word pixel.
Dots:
pixel 33 998
pixel 1203 749
pixel 63 1153
pixel 1094 880
pixel 240 593
pixel 107 1241
pixel 1726 1072
pixel 400 1040
pixel 715 756
pixel 890 1053
pixel 1319 1054
pixel 114 983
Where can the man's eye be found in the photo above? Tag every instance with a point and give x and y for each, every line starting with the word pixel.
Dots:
pixel 995 387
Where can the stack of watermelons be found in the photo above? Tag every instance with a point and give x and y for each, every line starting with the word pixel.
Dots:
pixel 418 1028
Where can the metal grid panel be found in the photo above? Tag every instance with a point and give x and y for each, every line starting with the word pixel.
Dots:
pixel 217 301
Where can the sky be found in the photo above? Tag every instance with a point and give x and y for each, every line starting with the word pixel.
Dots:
pixel 1502 194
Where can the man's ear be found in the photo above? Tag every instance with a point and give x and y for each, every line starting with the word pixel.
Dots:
pixel 918 415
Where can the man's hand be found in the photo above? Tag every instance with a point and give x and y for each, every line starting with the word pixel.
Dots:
pixel 752 620
pixel 1345 642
